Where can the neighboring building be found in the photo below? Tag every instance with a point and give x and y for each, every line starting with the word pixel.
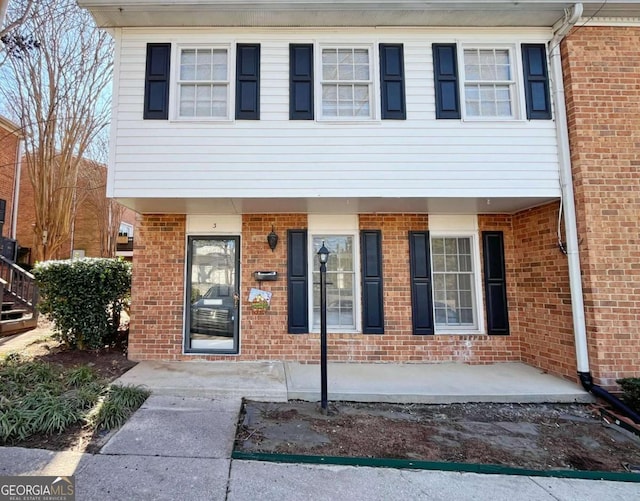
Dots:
pixel 89 226
pixel 424 143
pixel 10 144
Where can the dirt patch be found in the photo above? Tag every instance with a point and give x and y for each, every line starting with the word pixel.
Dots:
pixel 535 436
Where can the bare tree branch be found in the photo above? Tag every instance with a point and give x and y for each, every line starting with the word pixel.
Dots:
pixel 20 14
pixel 59 93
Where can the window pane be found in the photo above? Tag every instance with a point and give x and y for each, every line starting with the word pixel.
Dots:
pixel 203 64
pixel 188 64
pixel 345 72
pixel 220 65
pixel 345 92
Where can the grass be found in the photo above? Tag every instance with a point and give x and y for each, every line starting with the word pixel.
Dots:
pixel 42 398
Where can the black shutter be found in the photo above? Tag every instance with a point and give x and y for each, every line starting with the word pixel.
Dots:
pixel 392 82
pixel 420 265
pixel 495 283
pixel 156 82
pixel 445 69
pixel 536 81
pixel 301 82
pixel 297 290
pixel 248 82
pixel 372 298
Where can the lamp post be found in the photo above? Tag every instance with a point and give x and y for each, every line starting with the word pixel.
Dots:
pixel 323 256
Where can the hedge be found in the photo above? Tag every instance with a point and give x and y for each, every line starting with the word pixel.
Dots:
pixel 84 298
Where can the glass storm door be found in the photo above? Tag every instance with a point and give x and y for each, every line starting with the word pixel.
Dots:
pixel 213 276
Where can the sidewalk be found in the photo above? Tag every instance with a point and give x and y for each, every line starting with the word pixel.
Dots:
pixel 180 448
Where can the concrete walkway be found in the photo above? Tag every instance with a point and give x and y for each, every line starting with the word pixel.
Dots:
pixel 402 383
pixel 180 448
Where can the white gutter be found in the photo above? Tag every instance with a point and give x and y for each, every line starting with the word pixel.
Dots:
pixel 16 189
pixel 566 184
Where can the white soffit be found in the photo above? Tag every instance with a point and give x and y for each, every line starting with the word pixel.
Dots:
pixel 295 13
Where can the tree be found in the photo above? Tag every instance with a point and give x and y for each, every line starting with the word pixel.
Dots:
pixel 59 94
pixel 20 13
pixel 106 211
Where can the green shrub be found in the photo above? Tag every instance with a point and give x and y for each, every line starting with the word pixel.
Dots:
pixel 631 391
pixel 84 298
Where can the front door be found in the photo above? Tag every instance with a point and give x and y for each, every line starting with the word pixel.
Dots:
pixel 213 277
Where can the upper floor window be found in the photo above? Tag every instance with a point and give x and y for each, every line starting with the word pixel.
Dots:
pixel 346 82
pixel 489 83
pixel 126 229
pixel 203 82
pixel 481 82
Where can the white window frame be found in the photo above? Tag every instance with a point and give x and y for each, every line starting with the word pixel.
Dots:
pixel 373 82
pixel 478 305
pixel 128 227
pixel 176 85
pixel 314 266
pixel 515 84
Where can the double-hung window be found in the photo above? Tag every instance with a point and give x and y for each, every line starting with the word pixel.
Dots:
pixel 489 83
pixel 203 82
pixel 341 281
pixel 346 83
pixel 454 282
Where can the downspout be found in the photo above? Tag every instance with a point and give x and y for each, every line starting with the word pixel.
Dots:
pixel 561 29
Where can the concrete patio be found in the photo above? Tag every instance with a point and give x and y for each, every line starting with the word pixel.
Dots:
pixel 401 383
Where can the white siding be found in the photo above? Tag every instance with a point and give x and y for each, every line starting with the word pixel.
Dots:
pixel 276 157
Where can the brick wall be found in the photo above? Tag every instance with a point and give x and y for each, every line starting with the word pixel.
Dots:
pixel 545 321
pixel 602 81
pixel 8 153
pixel 157 297
pixel 157 289
pixel 85 227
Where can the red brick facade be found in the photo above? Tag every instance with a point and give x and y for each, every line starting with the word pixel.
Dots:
pixel 9 144
pixel 158 295
pixel 602 83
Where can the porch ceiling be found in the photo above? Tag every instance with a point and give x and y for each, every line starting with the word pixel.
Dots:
pixel 503 205
pixel 300 13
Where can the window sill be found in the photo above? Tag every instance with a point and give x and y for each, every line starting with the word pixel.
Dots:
pixel 351 121
pixel 460 333
pixel 207 121
pixel 337 331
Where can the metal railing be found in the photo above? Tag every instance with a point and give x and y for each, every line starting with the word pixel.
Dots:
pixel 123 245
pixel 19 285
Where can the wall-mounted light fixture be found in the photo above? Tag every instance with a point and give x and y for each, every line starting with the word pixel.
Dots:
pixel 272 239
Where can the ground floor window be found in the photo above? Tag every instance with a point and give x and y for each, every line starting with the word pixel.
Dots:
pixel 342 303
pixel 454 282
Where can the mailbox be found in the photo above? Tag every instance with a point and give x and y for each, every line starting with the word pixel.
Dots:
pixel 265 276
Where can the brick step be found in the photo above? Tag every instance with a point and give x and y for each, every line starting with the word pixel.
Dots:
pixel 7 305
pixel 12 314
